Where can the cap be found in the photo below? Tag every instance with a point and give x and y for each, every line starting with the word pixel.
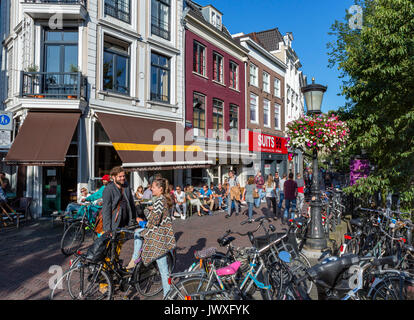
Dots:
pixel 106 177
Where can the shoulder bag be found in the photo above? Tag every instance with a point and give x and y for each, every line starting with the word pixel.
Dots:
pixel 158 240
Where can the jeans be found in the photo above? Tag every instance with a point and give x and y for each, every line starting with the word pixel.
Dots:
pixel 262 195
pixel 229 204
pixel 73 206
pixel 137 243
pixel 300 200
pixel 161 262
pixel 271 202
pixel 178 208
pixel 163 267
pixel 282 196
pixel 250 209
pixel 220 201
pixel 288 204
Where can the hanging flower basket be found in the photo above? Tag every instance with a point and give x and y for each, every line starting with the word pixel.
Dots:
pixel 324 133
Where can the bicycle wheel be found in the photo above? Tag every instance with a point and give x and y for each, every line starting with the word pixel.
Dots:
pixel 73 238
pixel 147 279
pixel 89 282
pixel 189 288
pixel 394 288
pixel 60 290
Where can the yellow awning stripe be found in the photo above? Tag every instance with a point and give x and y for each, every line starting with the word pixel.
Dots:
pixel 154 147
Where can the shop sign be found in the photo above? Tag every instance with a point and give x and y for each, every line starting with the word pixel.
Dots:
pixel 261 142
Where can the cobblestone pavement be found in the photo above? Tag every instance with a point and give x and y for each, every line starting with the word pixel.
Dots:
pixel 27 254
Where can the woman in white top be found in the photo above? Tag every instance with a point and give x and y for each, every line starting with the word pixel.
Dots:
pixel 270 187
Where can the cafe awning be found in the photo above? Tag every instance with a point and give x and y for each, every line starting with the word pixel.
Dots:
pixel 148 144
pixel 43 139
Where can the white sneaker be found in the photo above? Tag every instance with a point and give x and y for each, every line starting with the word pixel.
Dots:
pixel 183 217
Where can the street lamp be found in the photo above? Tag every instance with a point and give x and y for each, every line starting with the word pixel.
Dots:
pixel 316 237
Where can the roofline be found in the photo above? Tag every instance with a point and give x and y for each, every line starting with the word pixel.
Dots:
pixel 271 57
pixel 210 5
pixel 211 28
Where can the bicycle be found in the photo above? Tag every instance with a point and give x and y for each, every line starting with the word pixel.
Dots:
pixel 86 276
pixel 74 235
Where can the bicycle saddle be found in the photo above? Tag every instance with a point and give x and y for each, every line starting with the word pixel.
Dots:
pixel 328 271
pixel 225 241
pixel 205 253
pixel 229 270
pixel 356 222
pixel 262 241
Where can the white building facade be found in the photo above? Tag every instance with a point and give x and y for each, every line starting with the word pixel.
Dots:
pixel 92 66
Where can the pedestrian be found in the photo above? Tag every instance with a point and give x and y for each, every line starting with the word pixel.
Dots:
pixel 290 190
pixel 259 181
pixel 301 193
pixel 233 194
pixel 281 193
pixel 270 188
pixel 248 196
pixel 118 208
pixel 159 215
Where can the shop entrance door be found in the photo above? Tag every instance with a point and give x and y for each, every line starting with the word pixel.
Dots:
pixel 51 189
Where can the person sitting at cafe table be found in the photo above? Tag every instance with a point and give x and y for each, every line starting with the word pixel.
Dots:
pixel 180 202
pixel 194 200
pixel 208 199
pixel 96 199
pixel 220 196
pixel 147 195
pixel 76 206
pixel 139 194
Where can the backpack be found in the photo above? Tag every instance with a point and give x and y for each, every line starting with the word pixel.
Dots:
pixel 99 223
pixel 96 252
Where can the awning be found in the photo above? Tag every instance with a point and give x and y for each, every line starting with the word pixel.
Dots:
pixel 43 139
pixel 148 145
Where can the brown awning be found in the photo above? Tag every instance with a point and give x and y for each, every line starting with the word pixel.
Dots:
pixel 147 144
pixel 43 139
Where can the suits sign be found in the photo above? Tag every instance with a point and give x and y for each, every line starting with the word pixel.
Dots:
pixel 261 142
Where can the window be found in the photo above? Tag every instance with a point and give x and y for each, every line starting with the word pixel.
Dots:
pixel 217 67
pixel 266 113
pixel 277 116
pixel 253 75
pixel 160 78
pixel 60 55
pixel 116 66
pixel 233 75
pixel 10 72
pixel 160 18
pixel 199 58
pixel 253 108
pixel 215 19
pixel 277 87
pixel 119 9
pixel 234 123
pixel 266 82
pixel 199 114
pixel 217 119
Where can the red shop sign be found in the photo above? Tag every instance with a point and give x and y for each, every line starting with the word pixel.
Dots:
pixel 261 142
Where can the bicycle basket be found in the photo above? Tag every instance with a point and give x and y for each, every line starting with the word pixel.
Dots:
pixel 97 251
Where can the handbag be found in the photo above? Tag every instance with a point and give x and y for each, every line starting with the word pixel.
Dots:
pixel 158 240
pixel 255 194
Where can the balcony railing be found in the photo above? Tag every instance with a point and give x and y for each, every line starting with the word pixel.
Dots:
pixel 81 2
pixel 53 85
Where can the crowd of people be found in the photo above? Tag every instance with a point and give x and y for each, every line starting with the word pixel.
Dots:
pixel 161 202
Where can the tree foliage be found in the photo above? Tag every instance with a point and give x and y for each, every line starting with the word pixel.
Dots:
pixel 377 68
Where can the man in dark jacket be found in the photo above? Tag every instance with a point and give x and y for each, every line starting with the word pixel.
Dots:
pixel 118 208
pixel 291 191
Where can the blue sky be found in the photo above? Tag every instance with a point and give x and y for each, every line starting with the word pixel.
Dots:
pixel 309 21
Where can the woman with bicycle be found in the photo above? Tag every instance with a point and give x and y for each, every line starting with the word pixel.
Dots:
pixel 158 221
